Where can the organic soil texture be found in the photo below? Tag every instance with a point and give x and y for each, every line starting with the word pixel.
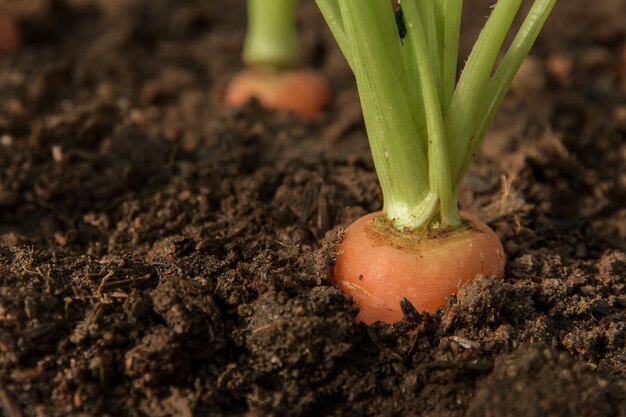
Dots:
pixel 163 256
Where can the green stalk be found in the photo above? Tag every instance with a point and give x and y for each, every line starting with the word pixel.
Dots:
pixel 272 39
pixel 452 10
pixel 502 79
pixel 399 159
pixel 461 116
pixel 430 22
pixel 439 166
pixel 440 23
pixel 414 92
pixel 422 131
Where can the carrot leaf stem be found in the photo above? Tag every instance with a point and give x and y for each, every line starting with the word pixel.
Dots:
pixel 438 160
pixel 423 126
pixel 451 31
pixel 399 157
pixel 461 116
pixel 271 39
pixel 503 77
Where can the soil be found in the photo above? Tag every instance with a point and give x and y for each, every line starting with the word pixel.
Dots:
pixel 163 256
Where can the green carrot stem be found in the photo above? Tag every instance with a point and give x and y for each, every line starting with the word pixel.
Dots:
pixel 503 77
pixel 272 39
pixel 451 30
pixel 422 131
pixel 399 158
pixel 461 116
pixel 439 167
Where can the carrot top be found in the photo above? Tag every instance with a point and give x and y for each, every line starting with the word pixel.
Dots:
pixel 424 127
pixel 272 38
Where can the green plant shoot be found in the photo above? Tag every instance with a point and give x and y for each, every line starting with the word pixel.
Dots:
pixel 272 38
pixel 424 127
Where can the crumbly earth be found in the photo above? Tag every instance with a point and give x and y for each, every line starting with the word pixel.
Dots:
pixel 163 256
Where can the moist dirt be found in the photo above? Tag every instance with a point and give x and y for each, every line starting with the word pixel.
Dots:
pixel 163 256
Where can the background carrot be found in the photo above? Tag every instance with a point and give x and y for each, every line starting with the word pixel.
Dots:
pixel 270 53
pixel 304 92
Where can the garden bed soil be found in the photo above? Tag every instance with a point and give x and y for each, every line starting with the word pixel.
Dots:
pixel 163 256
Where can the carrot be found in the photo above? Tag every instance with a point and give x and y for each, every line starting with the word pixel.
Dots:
pixel 375 266
pixel 304 92
pixel 270 53
pixel 424 128
pixel 10 39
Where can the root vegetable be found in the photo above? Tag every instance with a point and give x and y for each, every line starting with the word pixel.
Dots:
pixel 270 52
pixel 424 129
pixel 304 92
pixel 377 266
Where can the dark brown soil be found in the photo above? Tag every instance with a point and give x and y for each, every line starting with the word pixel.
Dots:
pixel 163 256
